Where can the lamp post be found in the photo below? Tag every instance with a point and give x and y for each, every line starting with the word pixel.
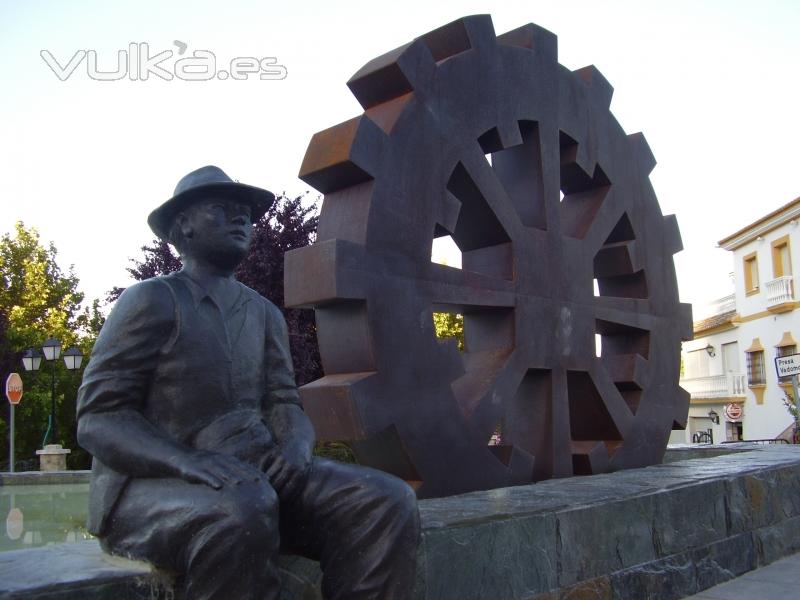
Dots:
pixel 32 360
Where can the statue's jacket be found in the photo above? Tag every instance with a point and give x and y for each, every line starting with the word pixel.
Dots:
pixel 201 378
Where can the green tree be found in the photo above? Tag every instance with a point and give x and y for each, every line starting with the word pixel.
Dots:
pixel 37 301
pixel 450 325
pixel 791 406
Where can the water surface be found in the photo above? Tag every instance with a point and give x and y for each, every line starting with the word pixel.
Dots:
pixel 38 515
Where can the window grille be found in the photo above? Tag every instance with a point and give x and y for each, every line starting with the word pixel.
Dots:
pixel 755 368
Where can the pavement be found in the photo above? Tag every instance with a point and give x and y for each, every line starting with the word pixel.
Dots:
pixel 777 581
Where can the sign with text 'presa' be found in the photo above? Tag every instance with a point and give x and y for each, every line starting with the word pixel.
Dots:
pixel 786 366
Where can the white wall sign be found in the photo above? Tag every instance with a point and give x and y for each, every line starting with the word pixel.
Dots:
pixel 787 366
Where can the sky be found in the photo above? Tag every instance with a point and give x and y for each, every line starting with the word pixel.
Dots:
pixel 713 85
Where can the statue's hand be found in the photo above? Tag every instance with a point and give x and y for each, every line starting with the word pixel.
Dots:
pixel 214 470
pixel 287 466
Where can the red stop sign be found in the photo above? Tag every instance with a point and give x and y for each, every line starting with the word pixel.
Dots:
pixel 14 388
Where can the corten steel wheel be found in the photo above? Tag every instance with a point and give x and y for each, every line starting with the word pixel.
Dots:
pixel 488 139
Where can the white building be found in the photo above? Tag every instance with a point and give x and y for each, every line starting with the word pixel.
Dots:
pixel 729 367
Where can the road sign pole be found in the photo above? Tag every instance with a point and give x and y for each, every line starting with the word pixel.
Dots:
pixel 14 395
pixel 11 441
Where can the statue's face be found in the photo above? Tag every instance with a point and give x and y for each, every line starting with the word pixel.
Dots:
pixel 218 231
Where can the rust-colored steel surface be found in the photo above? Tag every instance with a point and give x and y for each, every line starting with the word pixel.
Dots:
pixel 488 139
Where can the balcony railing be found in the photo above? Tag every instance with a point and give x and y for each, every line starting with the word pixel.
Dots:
pixel 779 291
pixel 716 386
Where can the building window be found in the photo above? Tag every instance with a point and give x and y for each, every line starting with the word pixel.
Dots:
pixel 781 259
pixel 696 364
pixel 751 273
pixel 755 368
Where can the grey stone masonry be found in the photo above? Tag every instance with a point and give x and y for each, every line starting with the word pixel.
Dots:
pixel 665 532
pixel 44 477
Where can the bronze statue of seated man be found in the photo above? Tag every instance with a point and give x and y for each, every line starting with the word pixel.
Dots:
pixel 202 453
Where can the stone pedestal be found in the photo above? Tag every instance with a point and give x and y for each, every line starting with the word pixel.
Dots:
pixel 666 532
pixel 53 458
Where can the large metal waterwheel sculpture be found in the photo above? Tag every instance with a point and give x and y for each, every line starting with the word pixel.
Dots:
pixel 488 139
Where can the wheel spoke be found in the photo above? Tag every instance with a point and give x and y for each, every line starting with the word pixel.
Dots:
pixel 631 312
pixel 493 191
pixel 457 287
pixel 615 404
pixel 540 423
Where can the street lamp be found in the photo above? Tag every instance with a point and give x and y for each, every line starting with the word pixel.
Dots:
pixel 32 360
pixel 73 358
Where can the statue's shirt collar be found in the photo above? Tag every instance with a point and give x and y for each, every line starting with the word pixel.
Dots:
pixel 228 296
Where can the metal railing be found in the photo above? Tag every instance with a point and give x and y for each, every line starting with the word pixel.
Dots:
pixel 762 442
pixel 716 386
pixel 703 437
pixel 779 290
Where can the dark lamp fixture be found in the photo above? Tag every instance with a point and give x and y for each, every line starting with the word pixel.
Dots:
pixel 51 349
pixel 710 350
pixel 714 416
pixel 31 359
pixel 73 358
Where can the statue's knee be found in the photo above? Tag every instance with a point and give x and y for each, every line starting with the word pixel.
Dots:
pixel 399 500
pixel 252 510
pixel 406 504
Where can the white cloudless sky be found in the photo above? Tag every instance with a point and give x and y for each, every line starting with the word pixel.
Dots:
pixel 713 85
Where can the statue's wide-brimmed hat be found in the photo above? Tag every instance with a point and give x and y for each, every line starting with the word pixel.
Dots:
pixel 199 185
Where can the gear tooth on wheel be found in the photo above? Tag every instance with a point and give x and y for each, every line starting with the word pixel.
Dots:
pixel 601 90
pixel 686 331
pixel 385 115
pixel 456 37
pixel 589 457
pixel 681 410
pixel 617 259
pixel 518 462
pixel 342 156
pixel 388 76
pixel 532 37
pixel 345 343
pixel 672 235
pixel 643 154
pixel 381 79
pixel 331 403
pixel 480 30
pixel 629 374
pixel 323 273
